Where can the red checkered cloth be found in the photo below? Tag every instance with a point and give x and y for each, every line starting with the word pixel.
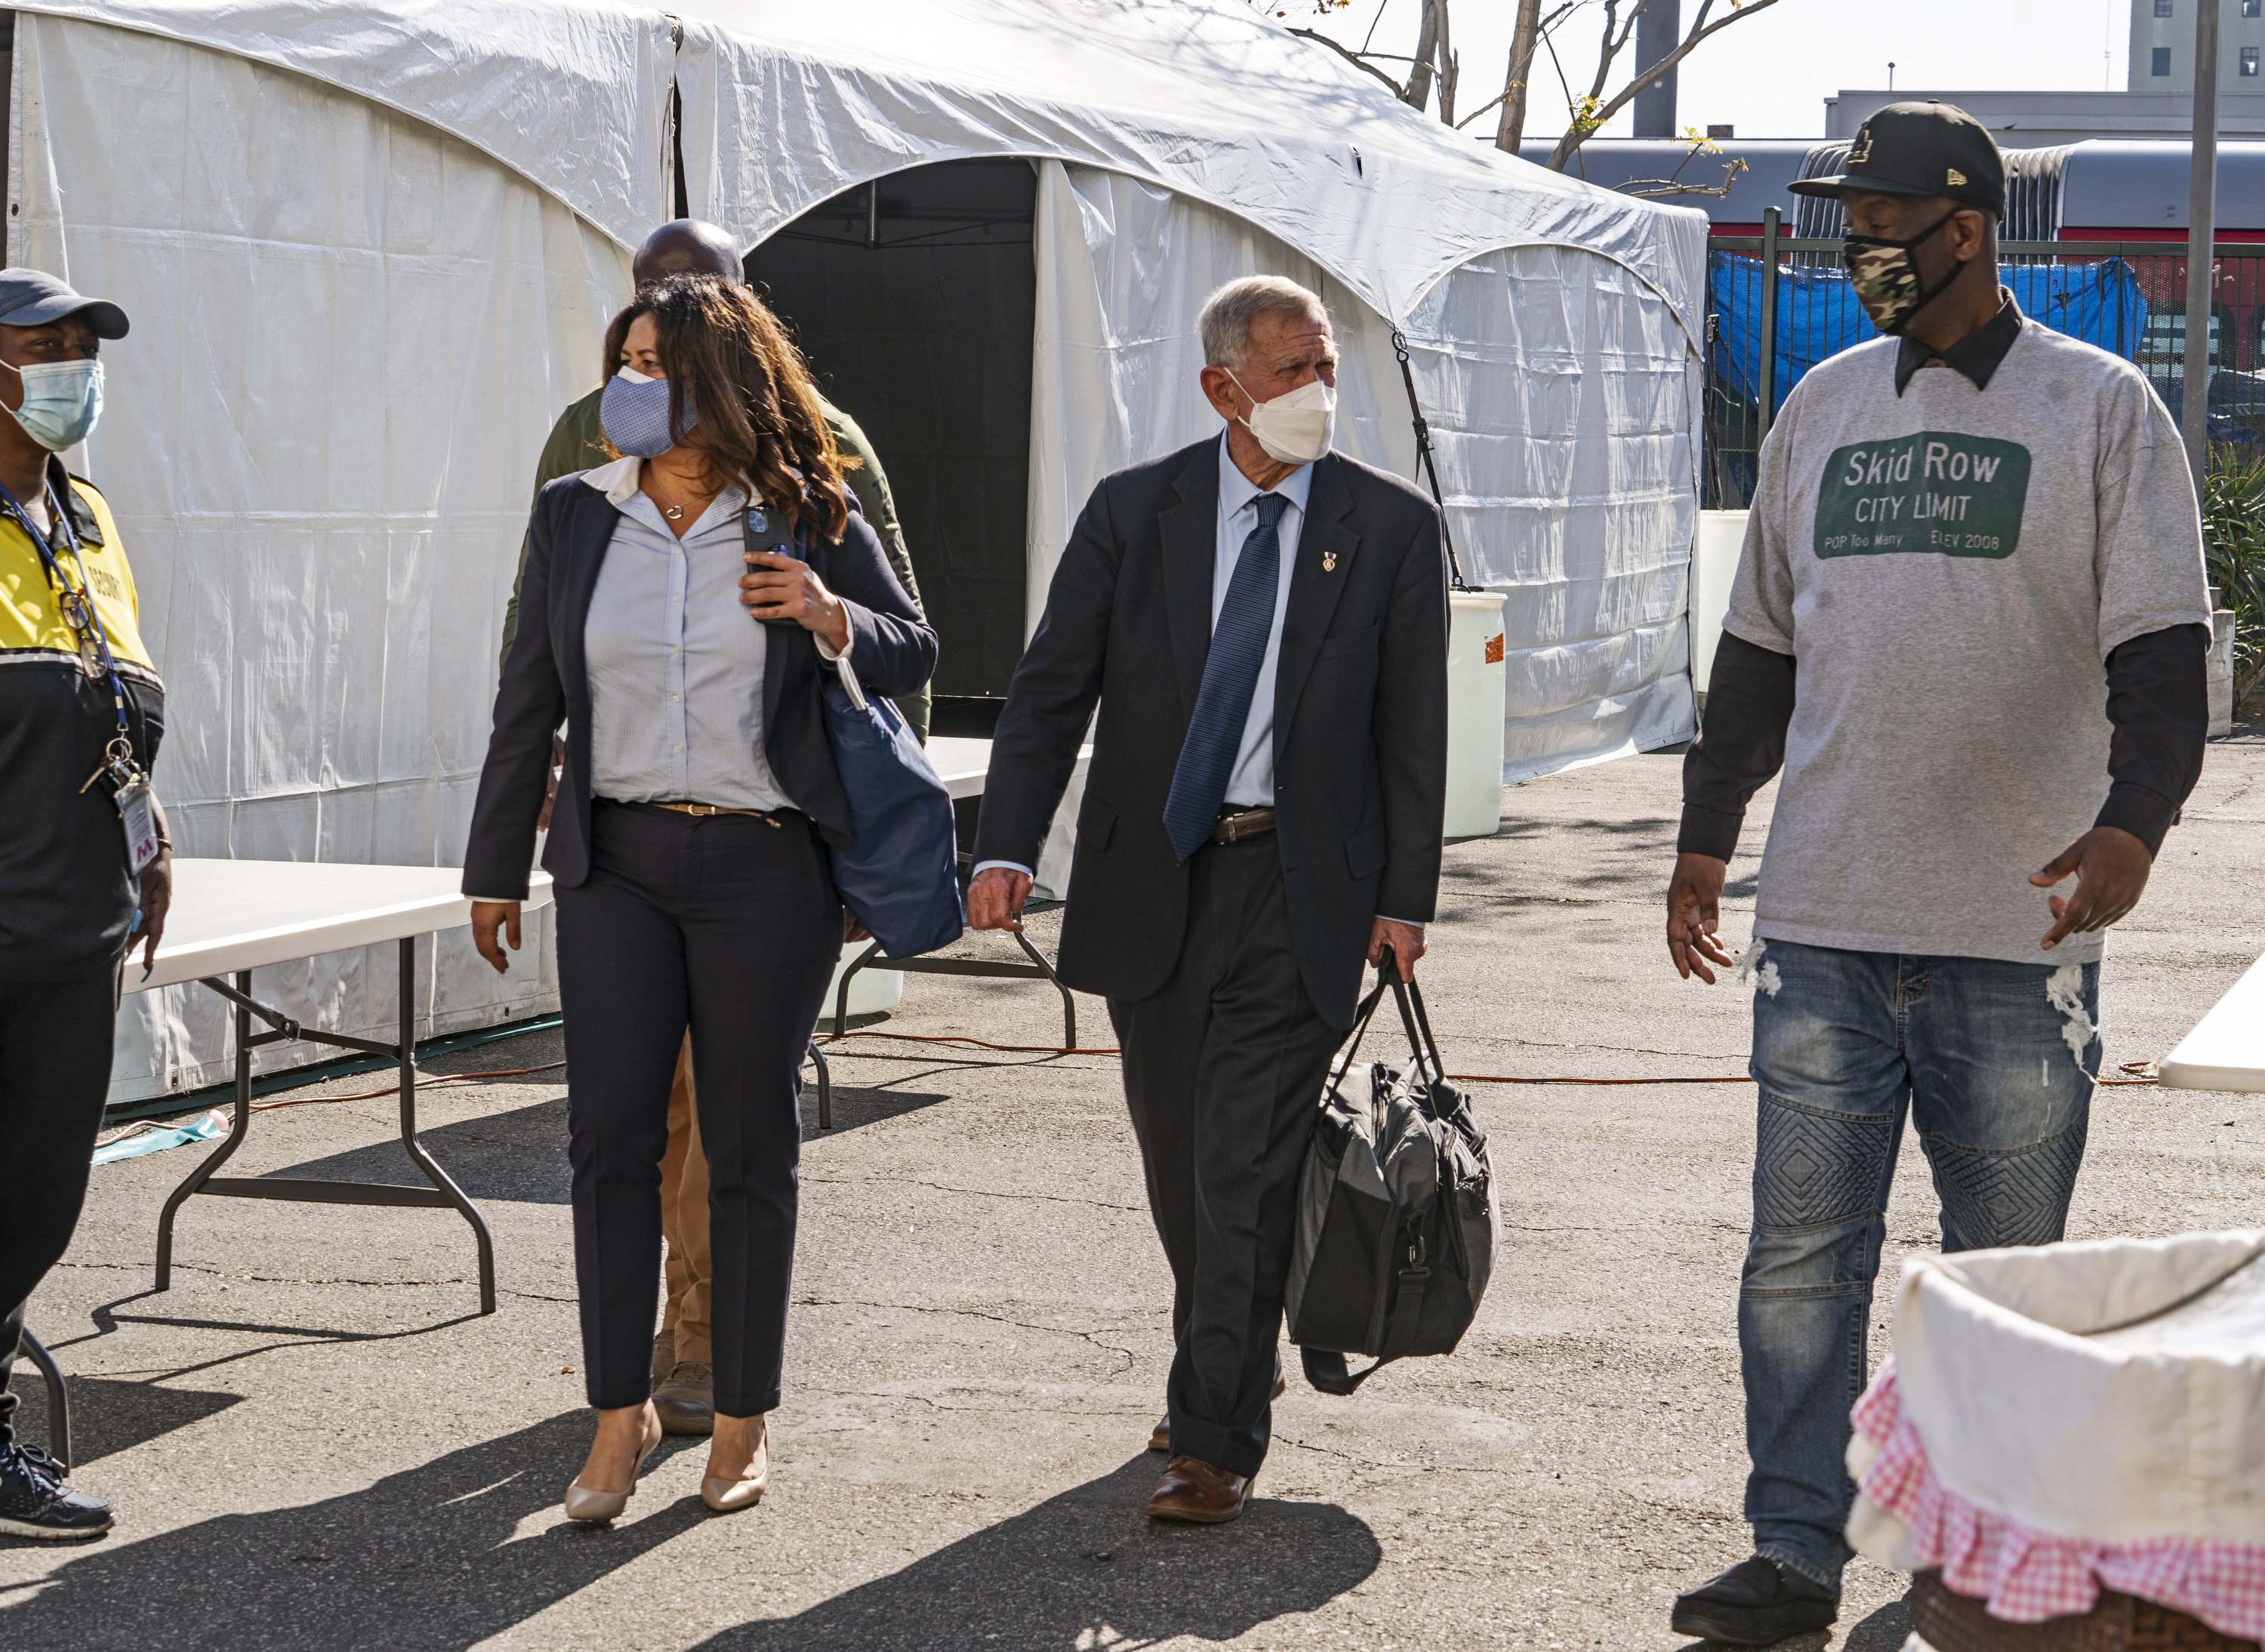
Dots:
pixel 2027 1575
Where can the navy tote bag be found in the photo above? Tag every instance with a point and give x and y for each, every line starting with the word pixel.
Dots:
pixel 899 875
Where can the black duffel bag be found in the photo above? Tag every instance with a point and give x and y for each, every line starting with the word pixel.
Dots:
pixel 1395 1209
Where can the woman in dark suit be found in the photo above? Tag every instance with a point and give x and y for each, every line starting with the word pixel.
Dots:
pixel 668 621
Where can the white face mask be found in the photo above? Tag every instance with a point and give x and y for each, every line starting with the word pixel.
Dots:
pixel 1295 428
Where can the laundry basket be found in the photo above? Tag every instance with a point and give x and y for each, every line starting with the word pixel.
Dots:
pixel 2068 1447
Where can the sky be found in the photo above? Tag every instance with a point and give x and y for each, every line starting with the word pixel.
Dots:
pixel 1769 74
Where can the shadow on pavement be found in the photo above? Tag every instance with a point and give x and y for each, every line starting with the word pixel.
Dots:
pixel 109 1416
pixel 1086 1569
pixel 423 1560
pixel 519 1156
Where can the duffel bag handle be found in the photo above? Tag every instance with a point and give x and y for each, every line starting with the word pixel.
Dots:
pixel 1410 997
pixel 1359 1026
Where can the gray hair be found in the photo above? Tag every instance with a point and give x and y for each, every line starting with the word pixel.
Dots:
pixel 1228 313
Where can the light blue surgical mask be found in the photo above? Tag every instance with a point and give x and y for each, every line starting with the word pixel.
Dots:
pixel 61 401
pixel 634 411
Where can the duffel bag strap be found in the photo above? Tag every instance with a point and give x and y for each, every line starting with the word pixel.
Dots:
pixel 1359 1026
pixel 1329 1373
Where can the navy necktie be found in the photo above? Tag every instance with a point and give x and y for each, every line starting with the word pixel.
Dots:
pixel 1238 649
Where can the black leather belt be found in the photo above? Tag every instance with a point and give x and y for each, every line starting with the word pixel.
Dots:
pixel 1239 826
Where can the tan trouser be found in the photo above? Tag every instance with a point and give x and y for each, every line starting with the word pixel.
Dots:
pixel 684 1217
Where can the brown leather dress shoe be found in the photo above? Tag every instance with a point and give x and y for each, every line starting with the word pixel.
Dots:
pixel 686 1400
pixel 1195 1491
pixel 1159 1437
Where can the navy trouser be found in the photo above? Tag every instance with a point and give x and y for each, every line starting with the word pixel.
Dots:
pixel 1994 1061
pixel 55 1075
pixel 1223 1071
pixel 730 925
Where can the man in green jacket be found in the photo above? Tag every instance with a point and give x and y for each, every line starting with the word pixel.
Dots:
pixel 577 444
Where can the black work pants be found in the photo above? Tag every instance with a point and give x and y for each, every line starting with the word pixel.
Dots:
pixel 1223 1071
pixel 55 1073
pixel 730 925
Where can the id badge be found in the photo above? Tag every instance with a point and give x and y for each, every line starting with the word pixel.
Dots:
pixel 141 823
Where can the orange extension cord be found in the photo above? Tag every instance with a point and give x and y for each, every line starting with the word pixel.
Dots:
pixel 2137 1070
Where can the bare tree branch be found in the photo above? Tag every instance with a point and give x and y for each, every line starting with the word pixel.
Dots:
pixel 1427 44
pixel 1587 120
pixel 1355 59
pixel 1512 128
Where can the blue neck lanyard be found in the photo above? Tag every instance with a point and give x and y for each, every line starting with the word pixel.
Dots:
pixel 121 748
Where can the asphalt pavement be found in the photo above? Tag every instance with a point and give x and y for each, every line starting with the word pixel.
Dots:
pixel 314 1440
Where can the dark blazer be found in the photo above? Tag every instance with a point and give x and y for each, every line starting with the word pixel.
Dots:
pixel 545 682
pixel 1360 719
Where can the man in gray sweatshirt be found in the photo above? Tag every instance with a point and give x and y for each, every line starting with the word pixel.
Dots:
pixel 1969 623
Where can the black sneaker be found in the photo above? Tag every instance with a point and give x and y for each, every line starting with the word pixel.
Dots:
pixel 1759 1602
pixel 34 1502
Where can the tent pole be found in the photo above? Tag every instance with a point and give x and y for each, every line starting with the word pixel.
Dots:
pixel 1424 457
pixel 1770 220
pixel 2202 209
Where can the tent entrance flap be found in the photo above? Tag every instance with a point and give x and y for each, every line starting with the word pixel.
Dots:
pixel 915 298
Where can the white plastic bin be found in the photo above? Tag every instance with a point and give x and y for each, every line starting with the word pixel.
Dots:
pixel 1477 682
pixel 1714 566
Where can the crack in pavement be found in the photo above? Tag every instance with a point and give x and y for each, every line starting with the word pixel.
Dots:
pixel 1089 1337
pixel 985 1193
pixel 280 1278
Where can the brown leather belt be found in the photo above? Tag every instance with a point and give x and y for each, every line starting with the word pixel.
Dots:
pixel 702 810
pixel 1242 824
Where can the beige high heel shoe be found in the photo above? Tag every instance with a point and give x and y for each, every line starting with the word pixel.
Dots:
pixel 728 1496
pixel 583 1503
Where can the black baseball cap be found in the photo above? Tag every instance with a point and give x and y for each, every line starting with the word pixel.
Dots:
pixel 1919 149
pixel 33 298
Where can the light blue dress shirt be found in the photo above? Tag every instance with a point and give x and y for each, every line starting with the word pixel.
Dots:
pixel 675 662
pixel 1250 784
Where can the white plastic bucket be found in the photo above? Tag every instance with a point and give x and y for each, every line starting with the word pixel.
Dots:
pixel 1714 566
pixel 872 992
pixel 1477 682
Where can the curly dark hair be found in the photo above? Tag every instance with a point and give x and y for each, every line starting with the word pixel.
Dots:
pixel 758 413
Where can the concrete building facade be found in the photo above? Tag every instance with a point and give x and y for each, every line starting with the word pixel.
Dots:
pixel 2163 47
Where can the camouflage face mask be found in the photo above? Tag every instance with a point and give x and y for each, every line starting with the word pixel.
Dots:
pixel 1886 276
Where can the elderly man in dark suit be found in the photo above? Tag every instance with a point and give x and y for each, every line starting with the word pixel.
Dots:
pixel 1264 625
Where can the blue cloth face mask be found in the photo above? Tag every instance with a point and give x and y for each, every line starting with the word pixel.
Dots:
pixel 61 401
pixel 634 413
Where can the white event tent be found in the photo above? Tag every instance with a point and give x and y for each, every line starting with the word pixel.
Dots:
pixel 368 247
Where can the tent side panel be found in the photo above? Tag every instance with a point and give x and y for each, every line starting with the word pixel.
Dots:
pixel 351 334
pixel 1558 389
pixel 1124 268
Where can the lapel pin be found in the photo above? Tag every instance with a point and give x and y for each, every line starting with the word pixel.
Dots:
pixel 1328 562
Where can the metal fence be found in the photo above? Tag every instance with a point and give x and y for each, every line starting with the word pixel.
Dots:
pixel 1777 305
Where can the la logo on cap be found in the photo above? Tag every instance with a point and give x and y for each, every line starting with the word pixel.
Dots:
pixel 1952 175
pixel 1860 150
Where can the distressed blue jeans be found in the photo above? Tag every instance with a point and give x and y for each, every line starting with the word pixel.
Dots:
pixel 1995 1063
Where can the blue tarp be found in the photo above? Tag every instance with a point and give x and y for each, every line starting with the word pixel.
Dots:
pixel 1817 314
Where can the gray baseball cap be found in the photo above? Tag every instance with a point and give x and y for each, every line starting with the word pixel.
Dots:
pixel 33 298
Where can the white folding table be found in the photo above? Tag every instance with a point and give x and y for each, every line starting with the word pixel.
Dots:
pixel 2226 1049
pixel 231 917
pixel 962 765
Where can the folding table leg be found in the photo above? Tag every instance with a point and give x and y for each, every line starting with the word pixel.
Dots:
pixel 236 1131
pixel 842 997
pixel 824 1088
pixel 1069 1004
pixel 59 1427
pixel 434 1172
